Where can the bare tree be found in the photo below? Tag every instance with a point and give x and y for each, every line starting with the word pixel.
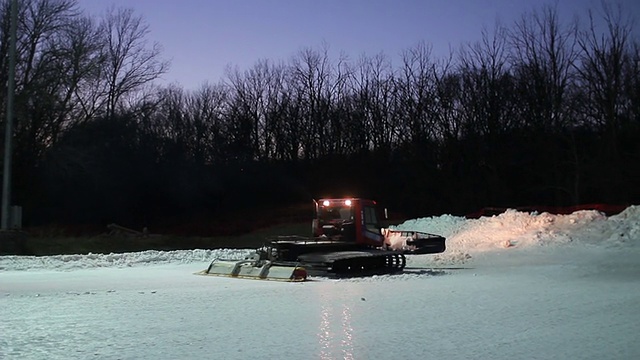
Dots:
pixel 277 130
pixel 205 109
pixel 604 57
pixel 632 83
pixel 316 82
pixel 487 90
pixel 447 90
pixel 254 95
pixel 475 140
pixel 129 61
pixel 244 122
pixel 85 42
pixel 544 51
pixel 415 93
pixel 372 85
pixel 41 20
pixel 43 75
pixel 606 73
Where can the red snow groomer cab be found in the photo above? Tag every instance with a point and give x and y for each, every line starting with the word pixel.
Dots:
pixel 347 240
pixel 349 220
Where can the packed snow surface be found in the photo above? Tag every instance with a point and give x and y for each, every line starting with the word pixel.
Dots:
pixel 512 286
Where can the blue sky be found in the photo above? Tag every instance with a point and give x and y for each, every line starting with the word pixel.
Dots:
pixel 202 37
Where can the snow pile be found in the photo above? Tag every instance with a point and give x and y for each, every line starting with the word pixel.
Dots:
pixel 515 229
pixel 621 230
pixel 70 262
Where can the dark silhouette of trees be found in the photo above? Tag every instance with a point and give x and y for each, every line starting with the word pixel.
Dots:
pixel 544 54
pixel 606 99
pixel 539 112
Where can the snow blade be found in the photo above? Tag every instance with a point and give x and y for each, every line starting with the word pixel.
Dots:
pixel 257 270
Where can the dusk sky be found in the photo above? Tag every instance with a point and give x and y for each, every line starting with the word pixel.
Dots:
pixel 202 37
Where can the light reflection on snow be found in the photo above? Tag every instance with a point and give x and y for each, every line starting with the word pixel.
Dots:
pixel 324 334
pixel 330 341
pixel 347 339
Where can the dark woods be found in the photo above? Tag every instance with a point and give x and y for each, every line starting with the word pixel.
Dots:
pixel 539 112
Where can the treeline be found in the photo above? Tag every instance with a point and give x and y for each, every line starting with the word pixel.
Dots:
pixel 539 112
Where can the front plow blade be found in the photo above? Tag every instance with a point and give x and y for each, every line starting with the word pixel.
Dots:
pixel 257 270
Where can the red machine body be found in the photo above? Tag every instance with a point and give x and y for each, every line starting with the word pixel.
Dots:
pixel 348 219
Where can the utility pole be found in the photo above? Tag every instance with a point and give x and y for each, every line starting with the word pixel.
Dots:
pixel 8 131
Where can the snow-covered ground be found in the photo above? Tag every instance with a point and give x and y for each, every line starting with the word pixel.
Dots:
pixel 513 286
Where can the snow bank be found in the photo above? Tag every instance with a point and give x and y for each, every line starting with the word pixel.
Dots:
pixel 70 262
pixel 515 229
